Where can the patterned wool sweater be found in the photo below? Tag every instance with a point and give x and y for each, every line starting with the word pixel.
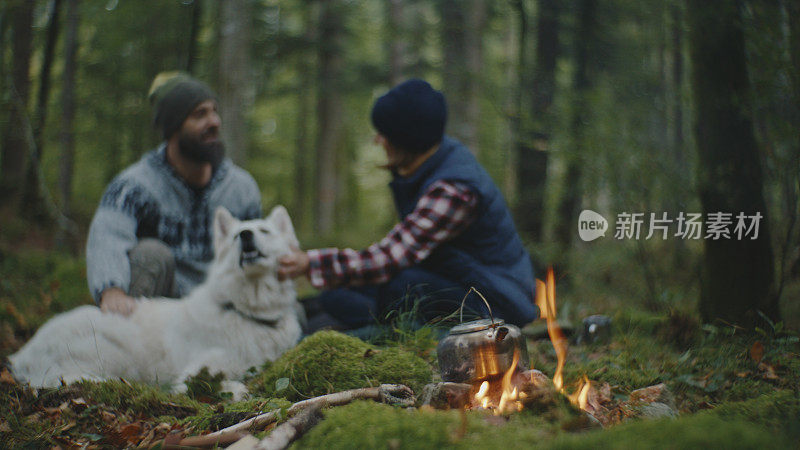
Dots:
pixel 149 199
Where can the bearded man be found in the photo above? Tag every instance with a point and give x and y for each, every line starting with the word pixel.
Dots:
pixel 151 236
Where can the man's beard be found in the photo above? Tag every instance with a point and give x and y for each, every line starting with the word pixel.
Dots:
pixel 193 149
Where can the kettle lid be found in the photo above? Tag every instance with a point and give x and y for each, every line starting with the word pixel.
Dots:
pixel 476 325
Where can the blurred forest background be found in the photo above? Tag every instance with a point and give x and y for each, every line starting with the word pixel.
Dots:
pixel 611 105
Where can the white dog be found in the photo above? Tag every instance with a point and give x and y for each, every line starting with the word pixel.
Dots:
pixel 238 318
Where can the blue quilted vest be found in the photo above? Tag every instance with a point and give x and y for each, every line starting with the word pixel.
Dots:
pixel 489 254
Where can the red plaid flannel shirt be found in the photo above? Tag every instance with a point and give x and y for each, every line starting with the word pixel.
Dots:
pixel 443 212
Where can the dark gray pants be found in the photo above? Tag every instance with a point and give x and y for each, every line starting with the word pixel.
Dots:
pixel 152 269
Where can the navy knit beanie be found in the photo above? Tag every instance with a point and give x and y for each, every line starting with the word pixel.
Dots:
pixel 174 95
pixel 412 116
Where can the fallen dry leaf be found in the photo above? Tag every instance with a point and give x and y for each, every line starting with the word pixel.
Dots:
pixel 125 435
pixel 6 378
pixel 757 352
pixel 769 372
pixel 156 434
pixel 107 416
pixel 57 411
pixel 68 426
pixel 78 404
pixel 131 431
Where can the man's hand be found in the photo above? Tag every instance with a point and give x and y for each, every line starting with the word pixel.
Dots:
pixel 293 265
pixel 115 300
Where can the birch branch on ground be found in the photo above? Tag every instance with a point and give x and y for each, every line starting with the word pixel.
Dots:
pixel 291 430
pixel 397 394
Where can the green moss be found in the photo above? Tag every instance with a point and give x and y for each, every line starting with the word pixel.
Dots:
pixel 699 431
pixel 768 421
pixel 138 398
pixel 229 414
pixel 205 387
pixel 779 410
pixel 760 423
pixel 373 425
pixel 366 424
pixel 329 361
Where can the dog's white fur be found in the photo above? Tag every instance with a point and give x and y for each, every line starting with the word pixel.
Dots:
pixel 165 341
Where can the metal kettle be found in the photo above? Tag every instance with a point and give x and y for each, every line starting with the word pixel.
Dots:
pixel 480 349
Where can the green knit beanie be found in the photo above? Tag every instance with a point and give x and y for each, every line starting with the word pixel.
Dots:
pixel 174 95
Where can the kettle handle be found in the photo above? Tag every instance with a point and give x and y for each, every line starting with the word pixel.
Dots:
pixel 461 309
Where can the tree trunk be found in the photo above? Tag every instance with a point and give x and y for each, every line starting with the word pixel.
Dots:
pixel 533 147
pixel 234 76
pixel 454 68
pixel 397 42
pixel 329 113
pixel 572 191
pixel 475 26
pixel 44 79
pixel 793 14
pixel 738 275
pixel 3 28
pixel 191 52
pixel 15 140
pixel 676 30
pixel 417 32
pixel 303 165
pixel 32 197
pixel 67 136
pixel 675 117
pixel 463 24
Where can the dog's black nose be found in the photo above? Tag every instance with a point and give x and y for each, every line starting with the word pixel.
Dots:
pixel 247 240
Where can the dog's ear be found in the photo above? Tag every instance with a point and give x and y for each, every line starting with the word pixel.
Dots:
pixel 280 217
pixel 223 224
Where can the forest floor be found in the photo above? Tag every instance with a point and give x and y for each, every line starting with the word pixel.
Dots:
pixel 732 387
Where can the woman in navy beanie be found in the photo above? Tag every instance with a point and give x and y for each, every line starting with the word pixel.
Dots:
pixel 455 232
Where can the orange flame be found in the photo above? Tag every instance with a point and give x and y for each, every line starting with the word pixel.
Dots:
pixel 509 394
pixel 482 395
pixel 580 397
pixel 541 298
pixel 553 330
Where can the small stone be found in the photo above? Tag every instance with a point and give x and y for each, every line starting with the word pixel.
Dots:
pixel 655 410
pixel 596 328
pixel 657 393
pixel 539 379
pixel 652 402
pixel 446 395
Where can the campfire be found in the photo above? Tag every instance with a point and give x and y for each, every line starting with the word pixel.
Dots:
pixel 509 392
